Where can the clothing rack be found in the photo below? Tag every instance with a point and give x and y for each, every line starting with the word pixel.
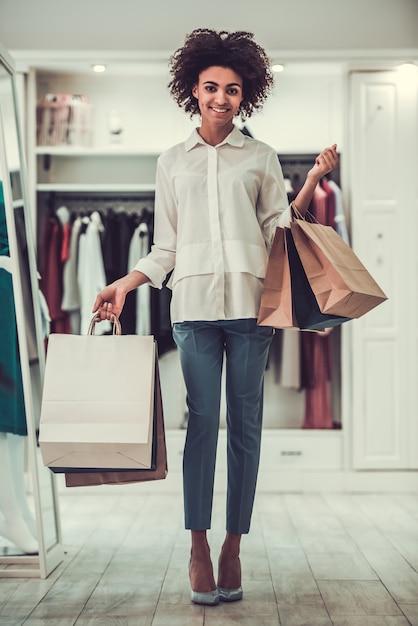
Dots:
pixel 86 202
pixel 296 166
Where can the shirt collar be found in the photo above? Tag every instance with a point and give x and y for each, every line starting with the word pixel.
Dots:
pixel 235 138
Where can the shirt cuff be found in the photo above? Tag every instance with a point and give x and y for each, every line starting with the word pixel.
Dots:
pixel 155 272
pixel 285 218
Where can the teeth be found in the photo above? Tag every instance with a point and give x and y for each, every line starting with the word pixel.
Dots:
pixel 219 110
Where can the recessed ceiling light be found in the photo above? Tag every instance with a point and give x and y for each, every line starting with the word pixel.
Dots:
pixel 410 67
pixel 277 67
pixel 99 67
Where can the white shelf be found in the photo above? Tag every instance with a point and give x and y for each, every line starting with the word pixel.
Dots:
pixel 94 151
pixel 97 187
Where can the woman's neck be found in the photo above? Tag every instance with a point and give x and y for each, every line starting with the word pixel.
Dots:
pixel 214 136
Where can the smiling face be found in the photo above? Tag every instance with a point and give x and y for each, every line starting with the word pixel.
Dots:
pixel 219 92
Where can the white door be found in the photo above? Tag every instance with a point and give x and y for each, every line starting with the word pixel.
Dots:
pixel 384 204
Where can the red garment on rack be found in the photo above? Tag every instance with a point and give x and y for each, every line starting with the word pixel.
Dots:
pixel 51 274
pixel 65 245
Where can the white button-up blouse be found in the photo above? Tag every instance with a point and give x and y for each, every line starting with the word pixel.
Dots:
pixel 216 211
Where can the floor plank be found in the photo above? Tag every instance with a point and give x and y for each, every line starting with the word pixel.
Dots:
pixel 371 621
pixel 351 597
pixel 411 612
pixel 341 567
pixel 304 615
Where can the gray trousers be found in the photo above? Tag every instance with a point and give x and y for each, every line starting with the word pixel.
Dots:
pixel 201 347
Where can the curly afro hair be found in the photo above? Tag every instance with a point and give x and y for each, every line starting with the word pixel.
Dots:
pixel 204 48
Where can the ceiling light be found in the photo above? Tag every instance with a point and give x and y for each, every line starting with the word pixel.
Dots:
pixel 410 68
pixel 277 67
pixel 99 67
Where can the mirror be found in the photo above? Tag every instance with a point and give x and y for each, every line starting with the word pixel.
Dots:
pixel 29 517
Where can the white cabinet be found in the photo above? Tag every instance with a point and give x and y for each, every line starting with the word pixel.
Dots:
pixel 384 203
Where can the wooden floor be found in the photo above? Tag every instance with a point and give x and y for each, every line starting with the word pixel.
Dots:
pixel 312 560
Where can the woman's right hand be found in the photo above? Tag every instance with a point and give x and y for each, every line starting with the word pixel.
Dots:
pixel 109 302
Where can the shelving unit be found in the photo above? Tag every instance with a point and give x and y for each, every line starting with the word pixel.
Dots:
pixel 125 164
pixel 94 169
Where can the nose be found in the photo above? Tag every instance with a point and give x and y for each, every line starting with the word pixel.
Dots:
pixel 221 97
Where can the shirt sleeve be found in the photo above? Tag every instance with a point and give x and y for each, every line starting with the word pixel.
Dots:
pixel 272 205
pixel 162 257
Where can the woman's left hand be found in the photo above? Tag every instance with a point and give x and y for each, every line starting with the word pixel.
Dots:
pixel 324 163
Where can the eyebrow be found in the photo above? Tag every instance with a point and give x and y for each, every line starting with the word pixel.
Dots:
pixel 212 82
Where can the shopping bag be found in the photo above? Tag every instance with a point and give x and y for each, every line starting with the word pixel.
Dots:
pixel 98 401
pixel 159 469
pixel 307 311
pixel 341 283
pixel 276 308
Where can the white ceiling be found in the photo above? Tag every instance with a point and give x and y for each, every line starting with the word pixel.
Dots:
pixel 160 25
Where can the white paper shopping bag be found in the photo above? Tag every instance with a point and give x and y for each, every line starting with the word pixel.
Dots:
pixel 97 403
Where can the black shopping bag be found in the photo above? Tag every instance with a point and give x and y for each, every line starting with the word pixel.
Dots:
pixel 307 311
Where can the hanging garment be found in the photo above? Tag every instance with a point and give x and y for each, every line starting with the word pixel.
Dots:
pixel 119 227
pixel 116 239
pixel 25 281
pixel 328 217
pixel 290 375
pixel 51 274
pixel 339 219
pixel 12 413
pixel 63 215
pixel 316 354
pixel 90 272
pixel 71 302
pixel 138 249
pixel 45 316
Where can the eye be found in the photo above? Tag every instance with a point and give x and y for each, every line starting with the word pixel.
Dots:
pixel 210 88
pixel 233 91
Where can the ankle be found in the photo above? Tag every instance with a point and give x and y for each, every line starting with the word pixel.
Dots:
pixel 200 547
pixel 231 545
pixel 201 569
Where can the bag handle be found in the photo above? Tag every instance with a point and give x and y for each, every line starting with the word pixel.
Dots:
pixel 296 214
pixel 117 328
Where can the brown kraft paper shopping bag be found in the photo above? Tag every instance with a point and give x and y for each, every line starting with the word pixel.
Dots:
pixel 341 283
pixel 276 308
pixel 94 478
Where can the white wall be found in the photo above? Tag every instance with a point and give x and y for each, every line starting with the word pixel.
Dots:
pixel 277 24
pixel 290 121
pixel 304 114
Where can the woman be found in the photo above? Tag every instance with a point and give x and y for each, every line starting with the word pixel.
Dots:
pixel 219 197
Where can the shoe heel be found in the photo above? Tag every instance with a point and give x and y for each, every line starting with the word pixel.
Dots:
pixel 230 595
pixel 208 598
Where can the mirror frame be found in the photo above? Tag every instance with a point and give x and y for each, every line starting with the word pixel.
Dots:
pixel 48 558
